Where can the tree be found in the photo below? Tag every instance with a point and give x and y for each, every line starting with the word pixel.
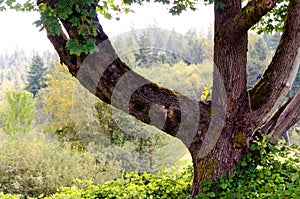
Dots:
pixel 55 101
pixel 257 59
pixel 36 75
pixel 217 134
pixel 260 50
pixel 194 50
pixel 18 112
pixel 272 40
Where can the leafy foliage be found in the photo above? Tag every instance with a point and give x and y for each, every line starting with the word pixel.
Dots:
pixel 124 144
pixel 187 79
pixel 132 185
pixel 68 135
pixel 273 21
pixel 18 112
pixel 55 100
pixel 272 171
pixel 29 5
pixel 34 164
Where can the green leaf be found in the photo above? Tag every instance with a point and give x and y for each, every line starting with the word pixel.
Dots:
pixel 223 185
pixel 244 163
pixel 211 194
pixel 74 47
pixel 90 46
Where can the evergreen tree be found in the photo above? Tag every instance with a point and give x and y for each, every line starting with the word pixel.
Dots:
pixel 144 56
pixel 272 41
pixel 36 75
pixel 194 52
pixel 260 50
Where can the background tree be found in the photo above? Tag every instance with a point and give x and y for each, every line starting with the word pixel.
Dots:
pixel 258 59
pixel 17 112
pixel 272 40
pixel 13 71
pixel 36 75
pixel 193 52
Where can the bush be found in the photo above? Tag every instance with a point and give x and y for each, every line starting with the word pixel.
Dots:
pixel 9 196
pixel 272 171
pixel 33 164
pixel 134 186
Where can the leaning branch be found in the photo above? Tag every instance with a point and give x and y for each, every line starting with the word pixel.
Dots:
pixel 112 81
pixel 279 75
pixel 284 118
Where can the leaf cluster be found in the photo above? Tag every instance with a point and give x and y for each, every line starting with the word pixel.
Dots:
pixel 79 14
pixel 29 5
pixel 273 21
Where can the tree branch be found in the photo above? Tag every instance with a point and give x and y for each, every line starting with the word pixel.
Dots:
pixel 284 118
pixel 60 42
pixel 112 81
pixel 245 18
pixel 281 72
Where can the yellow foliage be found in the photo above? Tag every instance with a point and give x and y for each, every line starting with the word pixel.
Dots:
pixel 56 98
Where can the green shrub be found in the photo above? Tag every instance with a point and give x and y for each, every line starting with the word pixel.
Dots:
pixel 9 196
pixel 134 186
pixel 33 164
pixel 272 171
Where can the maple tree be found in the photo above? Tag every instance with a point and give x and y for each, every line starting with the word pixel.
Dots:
pixel 218 133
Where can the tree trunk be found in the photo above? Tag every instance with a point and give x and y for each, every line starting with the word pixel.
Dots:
pixel 216 134
pixel 226 154
pixel 230 57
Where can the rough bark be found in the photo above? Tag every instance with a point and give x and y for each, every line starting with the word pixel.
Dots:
pixel 218 139
pixel 281 72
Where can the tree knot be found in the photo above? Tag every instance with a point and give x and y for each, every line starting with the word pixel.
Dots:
pixel 270 3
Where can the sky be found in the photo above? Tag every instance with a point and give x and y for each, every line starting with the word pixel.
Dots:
pixel 18 31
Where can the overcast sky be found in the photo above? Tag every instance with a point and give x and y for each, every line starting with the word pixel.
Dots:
pixel 18 31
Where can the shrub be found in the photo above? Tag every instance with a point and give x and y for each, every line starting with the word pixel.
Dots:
pixel 9 196
pixel 33 164
pixel 272 171
pixel 134 186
